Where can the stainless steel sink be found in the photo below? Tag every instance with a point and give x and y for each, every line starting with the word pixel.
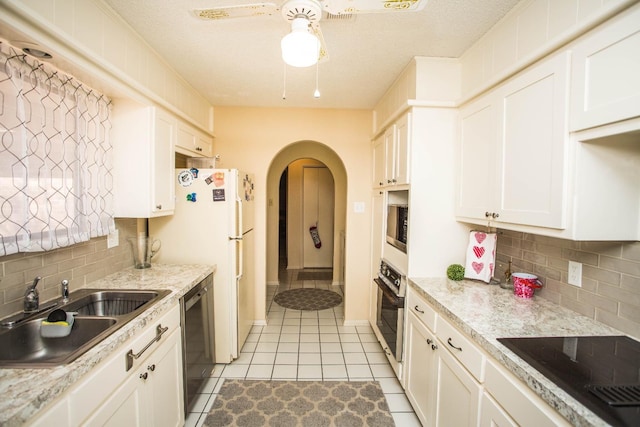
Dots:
pixel 100 313
pixel 109 303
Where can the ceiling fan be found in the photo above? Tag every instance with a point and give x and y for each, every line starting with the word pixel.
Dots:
pixel 304 17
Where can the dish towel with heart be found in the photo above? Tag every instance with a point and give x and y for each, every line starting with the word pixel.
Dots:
pixel 481 256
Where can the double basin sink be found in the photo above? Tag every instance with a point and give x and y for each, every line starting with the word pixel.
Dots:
pixel 98 313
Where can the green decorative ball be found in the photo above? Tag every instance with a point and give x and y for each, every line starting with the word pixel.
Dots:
pixel 455 272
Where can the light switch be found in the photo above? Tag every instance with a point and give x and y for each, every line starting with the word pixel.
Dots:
pixel 358 207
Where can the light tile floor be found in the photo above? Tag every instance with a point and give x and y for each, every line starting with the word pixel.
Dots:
pixel 304 345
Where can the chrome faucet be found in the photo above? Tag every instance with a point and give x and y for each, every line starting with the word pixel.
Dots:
pixel 65 290
pixel 31 298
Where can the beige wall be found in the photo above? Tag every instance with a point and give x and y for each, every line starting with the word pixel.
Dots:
pixel 251 138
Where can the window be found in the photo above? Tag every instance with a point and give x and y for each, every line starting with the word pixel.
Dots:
pixel 55 158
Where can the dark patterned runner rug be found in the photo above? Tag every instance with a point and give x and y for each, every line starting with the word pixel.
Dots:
pixel 315 275
pixel 307 299
pixel 249 403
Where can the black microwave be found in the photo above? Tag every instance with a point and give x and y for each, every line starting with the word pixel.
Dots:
pixel 397 226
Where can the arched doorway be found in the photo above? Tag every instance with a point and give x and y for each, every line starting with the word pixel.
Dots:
pixel 318 154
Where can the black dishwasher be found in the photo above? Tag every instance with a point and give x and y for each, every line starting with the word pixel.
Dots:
pixel 196 318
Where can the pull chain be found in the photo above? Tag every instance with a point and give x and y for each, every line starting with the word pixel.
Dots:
pixel 316 94
pixel 284 83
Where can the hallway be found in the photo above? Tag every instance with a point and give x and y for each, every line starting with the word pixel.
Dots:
pixel 309 345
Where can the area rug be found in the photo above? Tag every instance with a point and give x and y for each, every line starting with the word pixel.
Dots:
pixel 315 275
pixel 249 403
pixel 307 299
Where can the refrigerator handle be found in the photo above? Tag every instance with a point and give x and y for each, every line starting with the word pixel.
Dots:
pixel 239 241
pixel 240 259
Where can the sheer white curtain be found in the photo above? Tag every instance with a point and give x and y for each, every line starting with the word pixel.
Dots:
pixel 55 158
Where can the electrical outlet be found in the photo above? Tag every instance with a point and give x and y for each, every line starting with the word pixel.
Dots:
pixel 113 239
pixel 575 274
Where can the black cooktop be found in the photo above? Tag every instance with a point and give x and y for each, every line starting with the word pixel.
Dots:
pixel 601 372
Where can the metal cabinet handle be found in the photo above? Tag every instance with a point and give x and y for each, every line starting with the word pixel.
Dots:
pixel 144 376
pixel 451 344
pixel 487 214
pixel 151 367
pixel 418 310
pixel 429 340
pixel 158 207
pixel 130 356
pixel 434 347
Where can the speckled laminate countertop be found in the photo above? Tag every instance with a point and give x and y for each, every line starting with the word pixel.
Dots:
pixel 27 391
pixel 487 312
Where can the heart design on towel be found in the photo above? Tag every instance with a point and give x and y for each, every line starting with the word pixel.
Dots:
pixel 479 251
pixel 480 237
pixel 477 266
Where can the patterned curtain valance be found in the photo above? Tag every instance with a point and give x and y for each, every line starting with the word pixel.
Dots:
pixel 55 158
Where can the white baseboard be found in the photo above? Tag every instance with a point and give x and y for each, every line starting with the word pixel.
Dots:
pixel 273 284
pixel 260 323
pixel 356 323
pixel 336 284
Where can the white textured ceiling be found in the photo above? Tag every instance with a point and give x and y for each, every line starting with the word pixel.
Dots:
pixel 237 62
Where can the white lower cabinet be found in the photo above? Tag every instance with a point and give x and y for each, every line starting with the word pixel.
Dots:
pixel 508 401
pixel 457 391
pixel 441 390
pixel 150 393
pixel 450 381
pixel 420 369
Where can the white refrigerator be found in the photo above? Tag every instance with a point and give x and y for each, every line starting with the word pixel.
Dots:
pixel 213 224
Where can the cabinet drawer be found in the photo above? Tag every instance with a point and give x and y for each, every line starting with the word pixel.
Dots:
pixel 523 405
pixel 461 348
pixel 421 309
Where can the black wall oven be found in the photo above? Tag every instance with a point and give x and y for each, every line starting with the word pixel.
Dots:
pixel 390 311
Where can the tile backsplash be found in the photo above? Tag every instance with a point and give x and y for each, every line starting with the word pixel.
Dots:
pixel 81 264
pixel 610 291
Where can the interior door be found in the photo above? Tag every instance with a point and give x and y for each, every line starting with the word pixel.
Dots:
pixel 317 210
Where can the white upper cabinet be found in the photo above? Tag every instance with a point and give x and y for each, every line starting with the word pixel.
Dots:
pixel 391 152
pixel 512 150
pixel 532 144
pixel 144 140
pixel 379 162
pixel 606 65
pixel 478 154
pixel 193 142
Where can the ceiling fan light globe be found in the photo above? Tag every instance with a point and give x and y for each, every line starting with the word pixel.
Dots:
pixel 300 48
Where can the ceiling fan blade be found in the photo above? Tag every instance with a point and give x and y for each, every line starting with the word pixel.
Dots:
pixel 338 7
pixel 324 53
pixel 241 11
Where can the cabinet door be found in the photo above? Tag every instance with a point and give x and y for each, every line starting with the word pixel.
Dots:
pixel 458 393
pixel 420 369
pixel 163 185
pixel 379 178
pixel 402 149
pixel 477 170
pixel 532 145
pixel 377 242
pixel 165 388
pixel 204 145
pixel 492 415
pixel 125 407
pixel 390 155
pixel 605 69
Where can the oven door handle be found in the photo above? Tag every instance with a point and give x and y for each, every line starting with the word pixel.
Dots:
pixel 389 295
